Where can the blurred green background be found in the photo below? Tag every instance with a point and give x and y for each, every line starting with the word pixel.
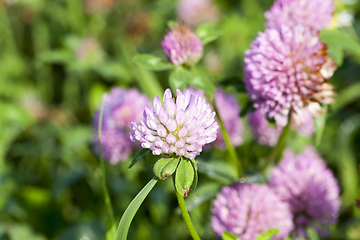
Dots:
pixel 57 57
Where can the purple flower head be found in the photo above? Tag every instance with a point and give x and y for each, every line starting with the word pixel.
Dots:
pixel 229 112
pixel 315 14
pixel 310 189
pixel 264 134
pixel 179 128
pixel 182 46
pixel 196 12
pixel 121 107
pixel 247 210
pixel 286 70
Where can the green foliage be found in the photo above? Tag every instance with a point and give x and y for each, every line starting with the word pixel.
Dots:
pixel 267 236
pixel 339 42
pixel 141 153
pixel 208 33
pixel 131 210
pixel 181 77
pixel 229 236
pixel 49 169
pixel 151 62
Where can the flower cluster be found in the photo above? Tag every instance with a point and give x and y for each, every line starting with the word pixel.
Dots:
pixel 247 210
pixel 303 122
pixel 287 69
pixel 179 128
pixel 310 189
pixel 182 46
pixel 261 130
pixel 229 112
pixel 315 14
pixel 196 12
pixel 121 107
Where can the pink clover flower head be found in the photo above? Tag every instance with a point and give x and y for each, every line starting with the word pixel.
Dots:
pixel 263 133
pixel 314 14
pixel 182 46
pixel 310 189
pixel 196 12
pixel 121 107
pixel 229 111
pixel 247 210
pixel 287 69
pixel 179 128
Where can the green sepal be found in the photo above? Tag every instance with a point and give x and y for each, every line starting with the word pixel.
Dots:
pixel 196 177
pixel 169 169
pixel 160 165
pixel 184 177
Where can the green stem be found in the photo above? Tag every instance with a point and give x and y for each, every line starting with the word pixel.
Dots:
pixel 279 147
pixel 320 126
pixel 186 215
pixel 234 160
pixel 110 222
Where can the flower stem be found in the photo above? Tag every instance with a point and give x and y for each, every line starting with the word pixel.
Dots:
pixel 186 215
pixel 110 222
pixel 231 150
pixel 279 147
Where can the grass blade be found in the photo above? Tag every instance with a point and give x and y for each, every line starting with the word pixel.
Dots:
pixel 131 210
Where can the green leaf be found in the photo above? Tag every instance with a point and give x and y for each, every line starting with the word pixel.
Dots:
pixel 200 81
pixel 217 170
pixel 348 166
pixel 179 79
pixel 131 210
pixel 202 194
pixel 172 24
pixel 138 155
pixel 184 177
pixel 152 62
pixel 19 232
pixel 312 234
pixel 339 42
pixel 234 81
pixel 346 96
pixel 249 107
pixel 208 33
pixel 268 235
pixel 229 236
